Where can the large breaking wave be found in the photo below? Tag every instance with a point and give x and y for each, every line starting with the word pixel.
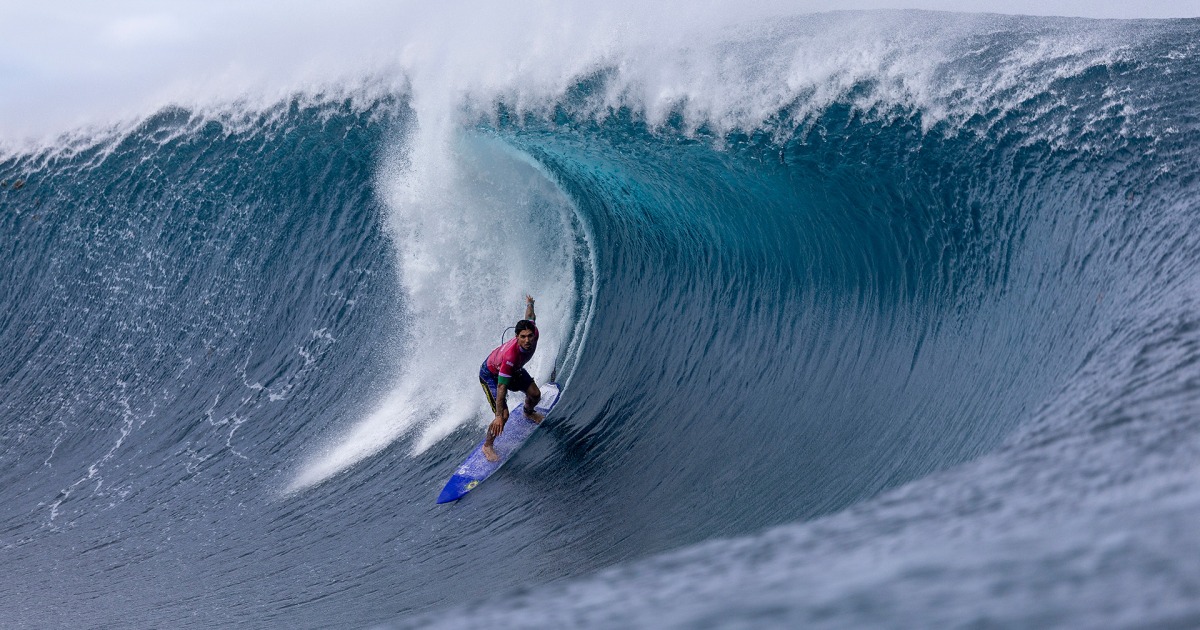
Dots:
pixel 926 302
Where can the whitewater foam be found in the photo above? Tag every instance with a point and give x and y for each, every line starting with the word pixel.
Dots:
pixel 475 230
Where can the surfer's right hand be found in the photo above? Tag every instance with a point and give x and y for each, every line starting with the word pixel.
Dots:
pixel 496 427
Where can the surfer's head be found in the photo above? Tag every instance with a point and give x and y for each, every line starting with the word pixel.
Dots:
pixel 527 335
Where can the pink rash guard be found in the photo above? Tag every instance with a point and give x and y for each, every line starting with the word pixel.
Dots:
pixel 506 360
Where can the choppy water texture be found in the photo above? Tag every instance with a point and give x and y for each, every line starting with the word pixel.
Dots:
pixel 916 345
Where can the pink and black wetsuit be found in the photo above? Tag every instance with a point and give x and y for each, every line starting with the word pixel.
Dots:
pixel 506 366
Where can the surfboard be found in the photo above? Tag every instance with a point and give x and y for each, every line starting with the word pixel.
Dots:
pixel 476 468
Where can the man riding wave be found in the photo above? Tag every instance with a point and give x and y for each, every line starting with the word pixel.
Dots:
pixel 504 371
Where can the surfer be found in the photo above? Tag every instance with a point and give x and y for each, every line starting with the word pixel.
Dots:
pixel 504 371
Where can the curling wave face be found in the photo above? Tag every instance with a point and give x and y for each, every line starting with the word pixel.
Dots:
pixel 920 303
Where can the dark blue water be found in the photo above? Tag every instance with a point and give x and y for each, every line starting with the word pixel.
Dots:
pixel 955 357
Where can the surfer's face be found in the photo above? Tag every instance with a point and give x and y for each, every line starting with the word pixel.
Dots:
pixel 525 340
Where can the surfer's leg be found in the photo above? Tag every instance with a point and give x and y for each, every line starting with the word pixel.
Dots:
pixel 488 382
pixel 533 396
pixel 491 396
pixel 488 451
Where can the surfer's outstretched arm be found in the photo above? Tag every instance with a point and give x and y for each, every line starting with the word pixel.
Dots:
pixel 529 314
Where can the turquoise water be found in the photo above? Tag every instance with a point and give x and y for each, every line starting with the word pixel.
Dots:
pixel 878 358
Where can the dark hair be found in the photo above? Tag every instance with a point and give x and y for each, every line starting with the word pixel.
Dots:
pixel 526 324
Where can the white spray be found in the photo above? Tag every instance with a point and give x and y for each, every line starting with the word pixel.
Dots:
pixel 475 229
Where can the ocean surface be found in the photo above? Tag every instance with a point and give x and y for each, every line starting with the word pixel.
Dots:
pixel 884 319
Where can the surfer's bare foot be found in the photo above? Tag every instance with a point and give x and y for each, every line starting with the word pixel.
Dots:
pixel 534 416
pixel 490 453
